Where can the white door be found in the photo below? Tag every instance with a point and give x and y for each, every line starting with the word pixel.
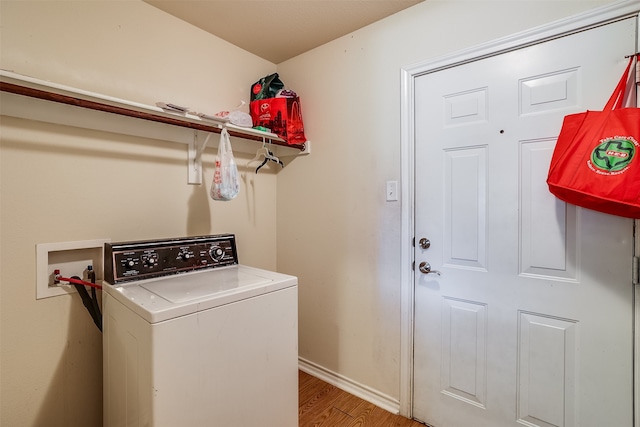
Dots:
pixel 530 322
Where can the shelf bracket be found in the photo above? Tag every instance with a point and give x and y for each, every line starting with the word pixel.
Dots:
pixel 194 154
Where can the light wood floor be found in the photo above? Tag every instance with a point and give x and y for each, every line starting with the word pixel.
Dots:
pixel 324 405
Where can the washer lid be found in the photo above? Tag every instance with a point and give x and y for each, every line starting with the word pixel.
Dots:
pixel 191 287
pixel 164 298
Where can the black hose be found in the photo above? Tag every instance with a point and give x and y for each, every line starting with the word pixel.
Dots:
pixel 89 303
pixel 91 276
pixel 96 307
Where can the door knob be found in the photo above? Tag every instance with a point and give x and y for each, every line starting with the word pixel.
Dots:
pixel 424 243
pixel 425 268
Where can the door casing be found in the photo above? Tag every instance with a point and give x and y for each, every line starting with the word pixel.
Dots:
pixel 553 30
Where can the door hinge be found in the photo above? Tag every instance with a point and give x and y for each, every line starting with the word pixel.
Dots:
pixel 635 273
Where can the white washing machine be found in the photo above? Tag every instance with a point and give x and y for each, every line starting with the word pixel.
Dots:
pixel 193 339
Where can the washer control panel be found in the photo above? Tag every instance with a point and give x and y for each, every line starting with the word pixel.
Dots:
pixel 140 260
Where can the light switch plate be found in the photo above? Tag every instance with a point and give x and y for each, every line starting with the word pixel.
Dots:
pixel 392 191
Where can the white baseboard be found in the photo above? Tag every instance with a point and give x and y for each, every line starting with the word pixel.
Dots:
pixel 379 399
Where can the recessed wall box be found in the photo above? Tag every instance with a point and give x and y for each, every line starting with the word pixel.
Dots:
pixel 71 258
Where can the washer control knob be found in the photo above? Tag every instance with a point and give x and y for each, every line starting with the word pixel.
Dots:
pixel 130 263
pixel 217 253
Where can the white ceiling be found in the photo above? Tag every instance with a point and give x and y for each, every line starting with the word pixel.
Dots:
pixel 277 30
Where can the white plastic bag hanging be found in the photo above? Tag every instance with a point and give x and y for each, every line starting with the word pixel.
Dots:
pixel 225 176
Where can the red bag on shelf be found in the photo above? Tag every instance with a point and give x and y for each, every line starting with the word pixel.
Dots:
pixel 277 109
pixel 594 164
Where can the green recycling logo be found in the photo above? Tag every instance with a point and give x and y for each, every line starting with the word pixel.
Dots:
pixel 613 156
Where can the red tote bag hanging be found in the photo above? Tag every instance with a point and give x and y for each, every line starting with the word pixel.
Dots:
pixel 596 161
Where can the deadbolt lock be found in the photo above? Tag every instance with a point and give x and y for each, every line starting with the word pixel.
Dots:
pixel 424 243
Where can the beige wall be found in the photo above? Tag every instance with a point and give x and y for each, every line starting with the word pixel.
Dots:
pixel 62 184
pixel 335 229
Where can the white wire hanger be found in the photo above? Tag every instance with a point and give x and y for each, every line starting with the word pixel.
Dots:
pixel 265 155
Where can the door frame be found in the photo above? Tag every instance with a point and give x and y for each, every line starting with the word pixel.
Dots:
pixel 591 18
